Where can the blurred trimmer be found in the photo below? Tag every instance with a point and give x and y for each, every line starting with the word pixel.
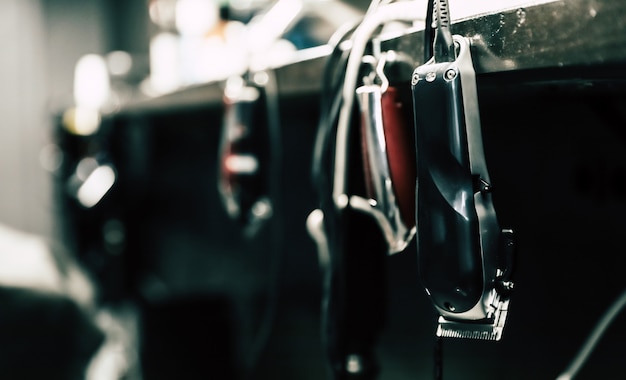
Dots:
pixel 465 259
pixel 249 182
pixel 247 149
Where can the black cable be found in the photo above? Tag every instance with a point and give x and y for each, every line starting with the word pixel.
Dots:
pixel 443 44
pixel 334 68
pixel 594 337
pixel 330 103
pixel 438 356
pixel 429 32
pixel 331 96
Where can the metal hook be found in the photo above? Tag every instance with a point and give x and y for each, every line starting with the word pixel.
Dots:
pixel 378 71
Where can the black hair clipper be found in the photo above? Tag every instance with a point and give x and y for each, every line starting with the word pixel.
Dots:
pixel 464 257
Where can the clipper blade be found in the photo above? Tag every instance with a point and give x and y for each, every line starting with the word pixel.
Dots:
pixel 482 330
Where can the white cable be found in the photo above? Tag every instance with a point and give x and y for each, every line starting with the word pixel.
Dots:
pixel 593 338
pixel 399 11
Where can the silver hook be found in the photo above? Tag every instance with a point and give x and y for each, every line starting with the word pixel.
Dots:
pixel 378 71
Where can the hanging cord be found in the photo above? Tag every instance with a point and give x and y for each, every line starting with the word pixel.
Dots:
pixel 341 35
pixel 438 355
pixel 330 99
pixel 330 102
pixel 443 44
pixel 594 338
pixel 429 31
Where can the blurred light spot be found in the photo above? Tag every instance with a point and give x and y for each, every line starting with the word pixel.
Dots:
pixel 119 62
pixel 26 261
pixel 261 78
pixel 236 90
pixel 91 82
pixel 82 121
pixel 195 17
pixel 354 364
pixel 85 167
pixel 262 209
pixel 241 164
pixel 163 12
pixel 315 227
pixel 271 26
pixel 96 186
pixel 51 157
pixel 114 235
pixel 233 86
pixel 164 63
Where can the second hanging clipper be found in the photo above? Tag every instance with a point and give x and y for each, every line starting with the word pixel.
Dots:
pixel 464 257
pixel 388 159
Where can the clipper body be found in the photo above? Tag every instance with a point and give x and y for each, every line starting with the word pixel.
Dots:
pixel 459 239
pixel 388 166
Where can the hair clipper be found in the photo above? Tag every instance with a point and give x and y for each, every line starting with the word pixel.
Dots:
pixel 464 257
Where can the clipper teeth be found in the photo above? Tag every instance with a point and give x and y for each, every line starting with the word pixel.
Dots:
pixel 490 330
pixel 475 333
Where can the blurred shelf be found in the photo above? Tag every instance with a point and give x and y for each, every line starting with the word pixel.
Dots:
pixel 557 35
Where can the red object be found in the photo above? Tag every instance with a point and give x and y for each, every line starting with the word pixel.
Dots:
pixel 400 143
